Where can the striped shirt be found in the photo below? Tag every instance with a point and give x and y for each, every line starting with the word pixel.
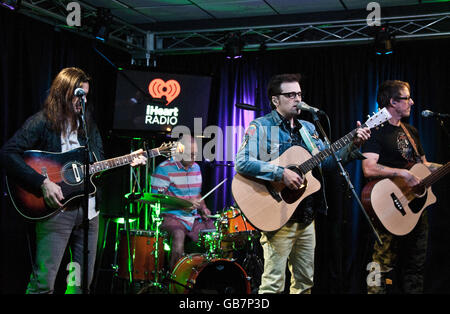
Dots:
pixel 173 179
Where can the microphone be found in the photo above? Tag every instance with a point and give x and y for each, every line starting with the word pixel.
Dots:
pixel 428 114
pixel 247 107
pixel 79 92
pixel 304 106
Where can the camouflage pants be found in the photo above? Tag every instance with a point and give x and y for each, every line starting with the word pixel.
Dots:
pixel 398 264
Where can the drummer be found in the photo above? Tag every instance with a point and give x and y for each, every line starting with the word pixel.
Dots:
pixel 180 176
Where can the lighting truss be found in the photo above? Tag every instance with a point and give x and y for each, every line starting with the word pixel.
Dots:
pixel 123 35
pixel 302 34
pixel 142 44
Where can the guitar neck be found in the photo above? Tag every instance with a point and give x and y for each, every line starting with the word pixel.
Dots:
pixel 435 175
pixel 322 155
pixel 120 161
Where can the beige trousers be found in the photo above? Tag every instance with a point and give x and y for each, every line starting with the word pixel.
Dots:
pixel 294 244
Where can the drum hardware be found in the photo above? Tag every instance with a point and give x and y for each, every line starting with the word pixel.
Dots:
pixel 113 267
pixel 149 264
pixel 131 197
pixel 253 265
pixel 196 273
pixel 210 239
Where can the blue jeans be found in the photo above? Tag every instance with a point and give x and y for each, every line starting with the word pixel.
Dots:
pixel 52 238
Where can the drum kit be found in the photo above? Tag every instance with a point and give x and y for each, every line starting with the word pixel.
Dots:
pixel 142 254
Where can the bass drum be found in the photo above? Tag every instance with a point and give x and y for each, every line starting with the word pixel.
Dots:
pixel 196 274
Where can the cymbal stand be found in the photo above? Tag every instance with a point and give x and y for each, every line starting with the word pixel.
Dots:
pixel 157 220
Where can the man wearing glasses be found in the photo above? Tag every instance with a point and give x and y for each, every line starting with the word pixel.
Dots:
pixel 391 150
pixel 266 139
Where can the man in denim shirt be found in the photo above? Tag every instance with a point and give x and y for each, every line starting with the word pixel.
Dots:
pixel 266 139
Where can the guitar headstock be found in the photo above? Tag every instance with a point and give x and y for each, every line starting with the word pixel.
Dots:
pixel 170 148
pixel 378 118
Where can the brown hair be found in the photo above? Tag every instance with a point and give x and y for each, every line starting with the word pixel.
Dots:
pixel 388 90
pixel 274 86
pixel 58 107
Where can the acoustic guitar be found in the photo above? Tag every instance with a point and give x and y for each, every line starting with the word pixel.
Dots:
pixel 268 205
pixel 390 203
pixel 66 170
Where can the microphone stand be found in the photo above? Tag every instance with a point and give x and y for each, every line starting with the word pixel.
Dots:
pixel 84 281
pixel 441 123
pixel 345 175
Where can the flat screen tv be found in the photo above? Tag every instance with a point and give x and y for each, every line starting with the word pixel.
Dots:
pixel 154 101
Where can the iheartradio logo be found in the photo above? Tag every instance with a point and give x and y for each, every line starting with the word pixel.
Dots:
pixel 170 89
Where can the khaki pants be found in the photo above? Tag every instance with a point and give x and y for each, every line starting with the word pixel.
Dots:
pixel 294 244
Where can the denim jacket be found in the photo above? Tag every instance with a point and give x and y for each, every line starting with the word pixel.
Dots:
pixel 267 138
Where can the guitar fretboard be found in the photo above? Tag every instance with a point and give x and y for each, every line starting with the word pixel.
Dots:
pixel 435 175
pixel 322 155
pixel 120 161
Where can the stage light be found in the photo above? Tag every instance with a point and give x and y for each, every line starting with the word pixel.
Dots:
pixel 102 24
pixel 384 41
pixel 233 46
pixel 11 4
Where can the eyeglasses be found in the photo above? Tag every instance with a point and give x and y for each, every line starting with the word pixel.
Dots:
pixel 292 95
pixel 407 98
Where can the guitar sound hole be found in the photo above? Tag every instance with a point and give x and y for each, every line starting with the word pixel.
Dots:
pixel 72 173
pixel 291 196
pixel 296 170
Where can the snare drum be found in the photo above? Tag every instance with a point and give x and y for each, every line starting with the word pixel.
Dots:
pixel 196 274
pixel 142 246
pixel 235 226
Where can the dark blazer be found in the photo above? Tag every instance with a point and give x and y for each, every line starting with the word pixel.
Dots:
pixel 37 134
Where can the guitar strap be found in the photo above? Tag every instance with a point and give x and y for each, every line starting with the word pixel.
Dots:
pixel 312 147
pixel 410 139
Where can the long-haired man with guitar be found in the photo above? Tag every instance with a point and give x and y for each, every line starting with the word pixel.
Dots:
pixel 56 129
pixel 266 139
pixel 390 152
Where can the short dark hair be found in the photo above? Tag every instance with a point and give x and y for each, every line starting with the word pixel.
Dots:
pixel 274 86
pixel 390 89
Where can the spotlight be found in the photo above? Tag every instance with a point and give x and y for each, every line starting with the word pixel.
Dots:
pixel 233 46
pixel 102 24
pixel 11 4
pixel 384 41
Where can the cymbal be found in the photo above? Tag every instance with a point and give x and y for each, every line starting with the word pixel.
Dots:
pixel 166 201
